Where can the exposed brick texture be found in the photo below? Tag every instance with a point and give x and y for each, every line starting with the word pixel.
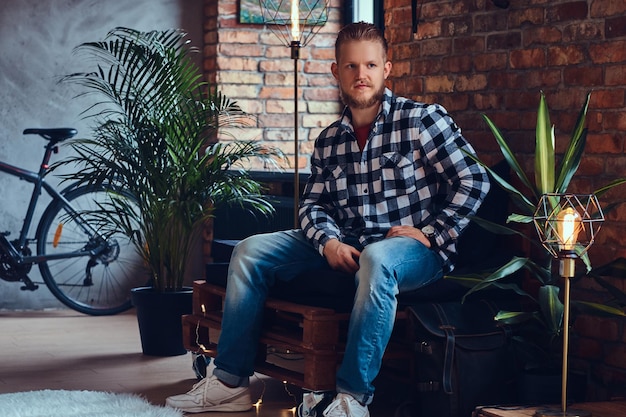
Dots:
pixel 254 68
pixel 496 61
pixel 473 58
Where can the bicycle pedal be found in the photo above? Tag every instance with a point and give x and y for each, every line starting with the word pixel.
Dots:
pixel 28 284
pixel 29 287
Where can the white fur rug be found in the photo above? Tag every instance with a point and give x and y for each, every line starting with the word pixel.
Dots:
pixel 49 403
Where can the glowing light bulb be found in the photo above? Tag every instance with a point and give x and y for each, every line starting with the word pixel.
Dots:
pixel 568 226
pixel 295 20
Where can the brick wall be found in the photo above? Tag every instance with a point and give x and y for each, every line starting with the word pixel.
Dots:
pixel 254 68
pixel 474 58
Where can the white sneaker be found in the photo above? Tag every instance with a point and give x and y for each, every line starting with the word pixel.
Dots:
pixel 211 395
pixel 345 405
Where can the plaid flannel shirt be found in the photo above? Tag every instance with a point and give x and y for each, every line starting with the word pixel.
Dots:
pixel 412 171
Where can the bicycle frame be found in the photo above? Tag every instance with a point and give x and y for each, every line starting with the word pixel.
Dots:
pixel 39 183
pixel 87 265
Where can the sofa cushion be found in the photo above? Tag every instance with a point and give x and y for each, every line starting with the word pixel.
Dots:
pixel 333 289
pixel 478 248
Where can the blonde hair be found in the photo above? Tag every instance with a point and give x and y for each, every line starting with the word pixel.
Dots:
pixel 360 31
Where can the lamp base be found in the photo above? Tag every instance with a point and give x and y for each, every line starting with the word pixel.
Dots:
pixel 552 412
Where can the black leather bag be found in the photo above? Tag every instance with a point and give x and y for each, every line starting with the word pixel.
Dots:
pixel 463 359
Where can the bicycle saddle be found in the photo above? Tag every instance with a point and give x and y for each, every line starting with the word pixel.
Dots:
pixel 53 135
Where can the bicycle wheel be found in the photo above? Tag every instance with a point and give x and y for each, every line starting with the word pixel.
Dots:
pixel 96 285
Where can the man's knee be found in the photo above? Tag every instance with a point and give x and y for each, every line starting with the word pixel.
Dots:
pixel 250 242
pixel 254 244
pixel 375 258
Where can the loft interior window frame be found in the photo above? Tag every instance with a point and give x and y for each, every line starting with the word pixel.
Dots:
pixel 370 11
pixel 363 11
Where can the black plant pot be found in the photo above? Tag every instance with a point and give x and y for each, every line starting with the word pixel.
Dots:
pixel 159 318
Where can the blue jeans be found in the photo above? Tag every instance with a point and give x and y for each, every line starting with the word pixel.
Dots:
pixel 386 268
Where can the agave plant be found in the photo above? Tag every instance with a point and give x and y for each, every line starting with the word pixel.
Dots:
pixel 549 178
pixel 154 132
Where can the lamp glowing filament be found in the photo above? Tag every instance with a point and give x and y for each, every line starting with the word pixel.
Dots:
pixel 295 20
pixel 568 227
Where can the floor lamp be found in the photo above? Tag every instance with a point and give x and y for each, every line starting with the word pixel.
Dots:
pixel 295 23
pixel 567 225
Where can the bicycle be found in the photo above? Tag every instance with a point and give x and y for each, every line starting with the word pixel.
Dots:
pixel 85 268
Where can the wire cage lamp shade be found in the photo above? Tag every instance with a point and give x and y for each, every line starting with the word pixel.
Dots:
pixel 294 20
pixel 567 224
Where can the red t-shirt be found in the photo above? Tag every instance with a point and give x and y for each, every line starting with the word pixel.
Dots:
pixel 361 134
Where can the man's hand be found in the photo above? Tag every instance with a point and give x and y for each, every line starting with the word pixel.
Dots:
pixel 341 257
pixel 409 231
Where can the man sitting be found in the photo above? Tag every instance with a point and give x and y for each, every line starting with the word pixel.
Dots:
pixel 390 190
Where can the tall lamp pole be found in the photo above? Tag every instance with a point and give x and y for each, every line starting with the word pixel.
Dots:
pixel 295 55
pixel 567 225
pixel 295 23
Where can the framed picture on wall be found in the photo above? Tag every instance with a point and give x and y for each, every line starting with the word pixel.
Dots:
pixel 250 12
pixel 312 12
pixel 354 10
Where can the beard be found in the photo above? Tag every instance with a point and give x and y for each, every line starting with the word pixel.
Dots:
pixel 362 103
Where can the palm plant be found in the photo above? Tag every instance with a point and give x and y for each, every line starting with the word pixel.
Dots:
pixel 154 130
pixel 549 177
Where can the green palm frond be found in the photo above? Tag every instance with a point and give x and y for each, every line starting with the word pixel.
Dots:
pixel 600 191
pixel 551 307
pixel 544 151
pixel 515 265
pixel 508 155
pixel 574 152
pixel 537 265
pixel 517 197
pixel 154 121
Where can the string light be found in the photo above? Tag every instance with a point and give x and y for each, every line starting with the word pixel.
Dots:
pixel 257 405
pixel 295 399
pixel 203 348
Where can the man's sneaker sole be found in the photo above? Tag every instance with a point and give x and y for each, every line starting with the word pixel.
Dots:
pixel 230 407
pixel 226 406
pixel 211 395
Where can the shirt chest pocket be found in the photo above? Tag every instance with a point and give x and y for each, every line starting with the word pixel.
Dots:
pixel 397 174
pixel 336 184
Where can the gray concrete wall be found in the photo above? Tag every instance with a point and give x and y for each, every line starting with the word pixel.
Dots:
pixel 36 42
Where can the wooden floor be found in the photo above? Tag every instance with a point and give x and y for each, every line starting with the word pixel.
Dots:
pixel 62 349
